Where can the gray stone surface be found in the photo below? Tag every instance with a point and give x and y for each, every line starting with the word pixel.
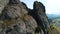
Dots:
pixel 3 3
pixel 16 20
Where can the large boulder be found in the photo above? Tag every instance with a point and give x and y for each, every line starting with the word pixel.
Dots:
pixel 16 20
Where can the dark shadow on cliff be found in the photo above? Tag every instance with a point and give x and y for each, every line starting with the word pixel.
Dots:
pixel 38 8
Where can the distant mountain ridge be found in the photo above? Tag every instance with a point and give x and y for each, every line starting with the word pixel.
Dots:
pixel 53 16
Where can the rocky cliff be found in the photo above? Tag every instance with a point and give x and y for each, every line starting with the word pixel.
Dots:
pixel 17 18
pixel 38 13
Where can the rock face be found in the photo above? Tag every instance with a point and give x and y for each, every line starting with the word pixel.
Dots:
pixel 3 3
pixel 17 18
pixel 39 15
pixel 40 9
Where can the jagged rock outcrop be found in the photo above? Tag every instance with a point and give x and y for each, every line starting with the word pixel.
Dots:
pixel 39 15
pixel 17 18
pixel 40 8
pixel 41 11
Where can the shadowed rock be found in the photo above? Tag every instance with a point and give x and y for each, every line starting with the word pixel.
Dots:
pixel 39 15
pixel 41 12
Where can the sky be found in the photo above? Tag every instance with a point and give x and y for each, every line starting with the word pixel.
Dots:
pixel 52 6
